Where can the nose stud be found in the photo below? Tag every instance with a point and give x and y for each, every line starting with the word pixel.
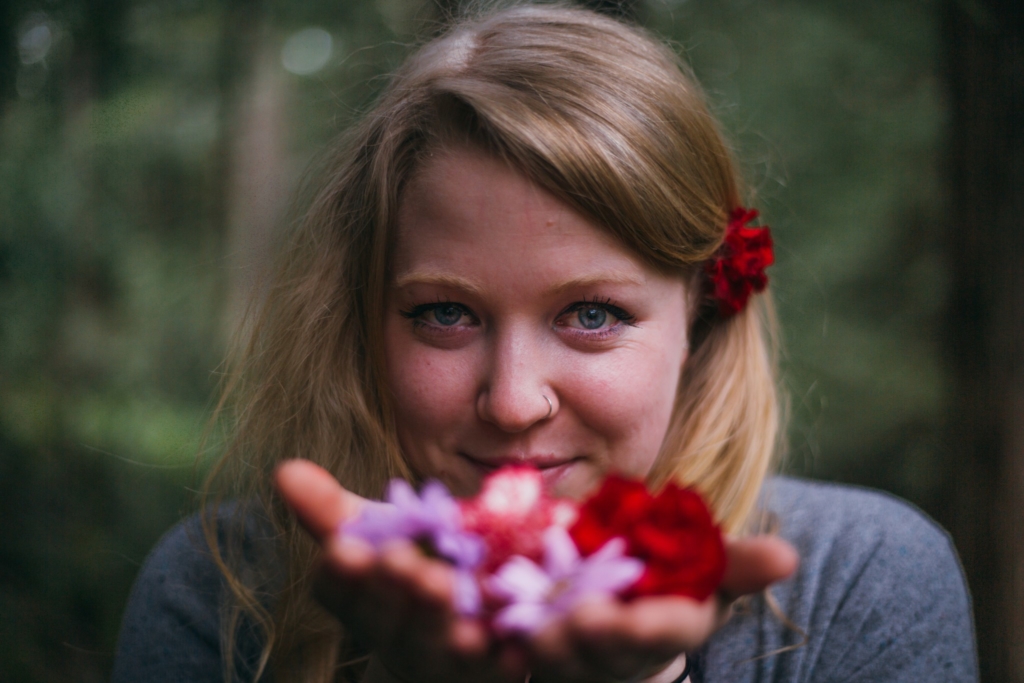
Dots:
pixel 551 407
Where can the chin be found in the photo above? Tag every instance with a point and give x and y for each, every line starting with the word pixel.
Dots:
pixel 573 481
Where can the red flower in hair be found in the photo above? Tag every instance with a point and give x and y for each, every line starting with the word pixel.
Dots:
pixel 738 269
pixel 673 533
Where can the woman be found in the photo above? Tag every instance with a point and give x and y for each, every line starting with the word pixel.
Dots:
pixel 509 263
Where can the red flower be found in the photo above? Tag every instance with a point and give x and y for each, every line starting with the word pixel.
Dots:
pixel 738 269
pixel 673 533
pixel 512 512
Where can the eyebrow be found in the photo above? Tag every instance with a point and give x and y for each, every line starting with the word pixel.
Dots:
pixel 460 283
pixel 438 280
pixel 598 279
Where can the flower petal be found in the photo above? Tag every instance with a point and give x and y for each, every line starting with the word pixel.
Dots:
pixel 464 549
pixel 616 547
pixel 522 618
pixel 519 580
pixel 436 499
pixel 560 554
pixel 466 594
pixel 610 576
pixel 401 494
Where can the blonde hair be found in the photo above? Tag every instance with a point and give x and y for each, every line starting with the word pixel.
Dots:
pixel 600 114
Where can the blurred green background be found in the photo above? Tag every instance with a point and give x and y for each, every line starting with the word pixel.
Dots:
pixel 148 152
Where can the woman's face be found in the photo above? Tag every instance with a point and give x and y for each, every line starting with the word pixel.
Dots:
pixel 519 332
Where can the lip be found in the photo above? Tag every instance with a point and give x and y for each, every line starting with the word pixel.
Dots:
pixel 540 461
pixel 553 468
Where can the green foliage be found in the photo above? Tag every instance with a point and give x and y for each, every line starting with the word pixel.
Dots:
pixel 837 114
pixel 116 242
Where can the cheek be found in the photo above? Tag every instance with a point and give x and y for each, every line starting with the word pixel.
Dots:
pixel 430 388
pixel 628 400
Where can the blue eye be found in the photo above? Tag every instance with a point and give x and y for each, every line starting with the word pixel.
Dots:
pixel 591 317
pixel 447 314
pixel 440 314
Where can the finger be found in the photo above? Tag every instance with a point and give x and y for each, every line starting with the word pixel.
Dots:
pixel 755 563
pixel 668 625
pixel 386 592
pixel 605 638
pixel 318 500
pixel 427 580
pixel 347 557
pixel 586 643
pixel 662 625
pixel 595 622
pixel 469 639
pixel 428 612
pixel 599 632
pixel 552 643
pixel 342 572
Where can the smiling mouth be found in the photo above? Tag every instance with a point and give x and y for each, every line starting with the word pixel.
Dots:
pixel 541 462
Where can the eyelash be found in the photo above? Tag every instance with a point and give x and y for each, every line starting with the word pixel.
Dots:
pixel 607 305
pixel 415 312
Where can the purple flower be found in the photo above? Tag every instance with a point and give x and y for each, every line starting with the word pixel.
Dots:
pixel 431 520
pixel 536 594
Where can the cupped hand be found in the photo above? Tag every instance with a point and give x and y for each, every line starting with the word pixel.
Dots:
pixel 399 602
pixel 608 640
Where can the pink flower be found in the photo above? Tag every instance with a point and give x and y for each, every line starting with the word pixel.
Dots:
pixel 511 513
pixel 536 594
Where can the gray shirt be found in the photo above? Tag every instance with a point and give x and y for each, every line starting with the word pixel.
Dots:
pixel 879 594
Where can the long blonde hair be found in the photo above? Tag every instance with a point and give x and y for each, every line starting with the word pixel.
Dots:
pixel 600 114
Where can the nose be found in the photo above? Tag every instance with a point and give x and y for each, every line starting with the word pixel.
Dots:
pixel 515 393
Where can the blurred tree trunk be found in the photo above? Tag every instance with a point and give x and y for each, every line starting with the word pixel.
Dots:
pixel 258 189
pixel 246 184
pixel 985 70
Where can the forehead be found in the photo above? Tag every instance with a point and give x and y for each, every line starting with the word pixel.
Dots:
pixel 466 208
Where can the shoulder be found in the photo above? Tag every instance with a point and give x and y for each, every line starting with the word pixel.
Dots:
pixel 834 526
pixel 171 629
pixel 879 594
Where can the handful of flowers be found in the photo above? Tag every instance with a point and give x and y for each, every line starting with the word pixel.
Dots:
pixel 522 558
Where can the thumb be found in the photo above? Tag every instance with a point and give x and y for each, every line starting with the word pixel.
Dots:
pixel 319 502
pixel 756 562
